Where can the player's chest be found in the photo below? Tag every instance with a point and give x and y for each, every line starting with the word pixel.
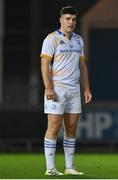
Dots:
pixel 68 47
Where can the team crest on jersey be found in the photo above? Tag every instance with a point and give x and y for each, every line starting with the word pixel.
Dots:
pixel 71 46
pixel 78 42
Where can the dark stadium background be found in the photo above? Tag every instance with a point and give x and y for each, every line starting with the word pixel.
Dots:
pixel 22 122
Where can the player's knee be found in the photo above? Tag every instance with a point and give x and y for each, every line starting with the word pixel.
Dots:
pixel 70 130
pixel 71 126
pixel 53 130
pixel 52 134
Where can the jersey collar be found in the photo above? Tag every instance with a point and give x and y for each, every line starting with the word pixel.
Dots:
pixel 62 34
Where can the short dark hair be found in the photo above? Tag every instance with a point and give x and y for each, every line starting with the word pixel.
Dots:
pixel 68 10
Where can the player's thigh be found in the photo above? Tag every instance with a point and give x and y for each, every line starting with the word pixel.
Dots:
pixel 71 119
pixel 54 121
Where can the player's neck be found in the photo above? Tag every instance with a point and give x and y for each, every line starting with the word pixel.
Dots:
pixel 67 34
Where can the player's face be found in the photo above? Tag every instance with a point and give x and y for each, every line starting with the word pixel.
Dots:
pixel 68 22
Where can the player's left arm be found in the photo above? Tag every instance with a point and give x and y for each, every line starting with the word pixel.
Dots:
pixel 85 80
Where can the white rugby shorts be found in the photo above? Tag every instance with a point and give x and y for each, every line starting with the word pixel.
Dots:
pixel 66 102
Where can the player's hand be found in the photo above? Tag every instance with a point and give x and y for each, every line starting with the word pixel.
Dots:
pixel 87 96
pixel 50 94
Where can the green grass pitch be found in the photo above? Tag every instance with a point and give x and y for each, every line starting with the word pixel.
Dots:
pixel 32 166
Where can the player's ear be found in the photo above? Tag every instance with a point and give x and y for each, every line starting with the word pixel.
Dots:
pixel 60 20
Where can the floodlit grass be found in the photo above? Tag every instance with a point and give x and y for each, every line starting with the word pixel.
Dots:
pixel 32 166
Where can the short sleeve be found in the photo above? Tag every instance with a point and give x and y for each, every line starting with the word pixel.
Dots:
pixel 82 47
pixel 48 49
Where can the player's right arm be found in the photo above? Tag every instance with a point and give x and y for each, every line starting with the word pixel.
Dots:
pixel 47 53
pixel 47 79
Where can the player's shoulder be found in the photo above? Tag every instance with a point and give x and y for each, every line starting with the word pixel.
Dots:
pixel 51 35
pixel 77 36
